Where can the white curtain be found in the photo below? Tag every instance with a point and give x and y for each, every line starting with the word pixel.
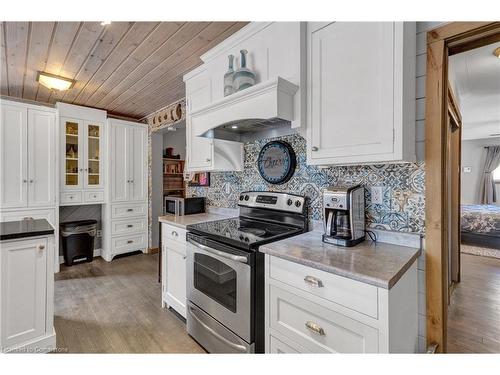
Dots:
pixel 492 162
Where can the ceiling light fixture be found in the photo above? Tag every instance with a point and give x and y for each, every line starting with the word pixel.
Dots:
pixel 54 82
pixel 234 127
pixel 496 52
pixel 105 23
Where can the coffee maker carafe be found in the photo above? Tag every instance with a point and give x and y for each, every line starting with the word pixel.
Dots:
pixel 344 215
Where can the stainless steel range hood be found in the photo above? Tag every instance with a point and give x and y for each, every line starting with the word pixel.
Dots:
pixel 266 107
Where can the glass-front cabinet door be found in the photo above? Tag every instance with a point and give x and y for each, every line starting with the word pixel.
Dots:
pixel 73 166
pixel 93 173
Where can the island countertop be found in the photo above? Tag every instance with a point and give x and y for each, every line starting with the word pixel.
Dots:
pixel 185 220
pixel 11 230
pixel 380 264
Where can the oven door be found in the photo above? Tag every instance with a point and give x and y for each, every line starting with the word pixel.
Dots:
pixel 220 282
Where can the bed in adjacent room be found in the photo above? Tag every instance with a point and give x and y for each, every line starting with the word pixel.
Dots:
pixel 480 225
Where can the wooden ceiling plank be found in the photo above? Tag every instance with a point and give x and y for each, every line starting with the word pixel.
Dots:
pixel 4 80
pixel 88 37
pixel 175 92
pixel 129 43
pixel 163 83
pixel 151 44
pixel 16 43
pixel 64 37
pixel 113 35
pixel 177 41
pixel 187 50
pixel 38 51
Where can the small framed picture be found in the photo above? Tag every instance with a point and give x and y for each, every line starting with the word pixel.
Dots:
pixel 200 179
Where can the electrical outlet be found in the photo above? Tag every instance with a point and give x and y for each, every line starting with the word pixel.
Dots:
pixel 467 169
pixel 99 233
pixel 377 193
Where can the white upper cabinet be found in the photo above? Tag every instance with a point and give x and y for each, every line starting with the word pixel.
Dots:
pixel 128 161
pixel 27 156
pixel 83 153
pixel 361 92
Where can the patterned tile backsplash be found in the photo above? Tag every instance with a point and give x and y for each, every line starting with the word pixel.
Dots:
pixel 403 185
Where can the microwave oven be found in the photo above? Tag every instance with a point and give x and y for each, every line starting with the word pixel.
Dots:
pixel 184 206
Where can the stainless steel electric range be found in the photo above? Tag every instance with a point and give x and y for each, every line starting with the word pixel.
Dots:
pixel 225 274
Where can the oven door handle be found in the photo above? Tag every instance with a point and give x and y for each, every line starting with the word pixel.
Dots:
pixel 236 258
pixel 237 347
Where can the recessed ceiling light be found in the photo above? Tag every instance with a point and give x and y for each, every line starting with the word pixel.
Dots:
pixel 104 23
pixel 54 82
pixel 496 52
pixel 234 127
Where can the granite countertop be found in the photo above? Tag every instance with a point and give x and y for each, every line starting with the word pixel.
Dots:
pixel 24 228
pixel 184 221
pixel 380 264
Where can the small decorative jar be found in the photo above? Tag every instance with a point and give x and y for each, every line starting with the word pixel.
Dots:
pixel 229 77
pixel 243 77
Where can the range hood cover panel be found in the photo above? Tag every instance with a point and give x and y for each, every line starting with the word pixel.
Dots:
pixel 262 105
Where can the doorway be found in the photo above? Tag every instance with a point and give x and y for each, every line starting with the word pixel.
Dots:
pixel 444 126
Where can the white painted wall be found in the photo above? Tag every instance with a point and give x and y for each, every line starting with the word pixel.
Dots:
pixel 473 155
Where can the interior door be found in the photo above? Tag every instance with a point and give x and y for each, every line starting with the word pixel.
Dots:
pixel 93 164
pixel 73 146
pixel 41 158
pixel 138 163
pixel 352 89
pixel 13 156
pixel 120 155
pixel 24 288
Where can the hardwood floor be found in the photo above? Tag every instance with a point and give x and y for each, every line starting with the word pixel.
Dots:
pixel 115 307
pixel 474 312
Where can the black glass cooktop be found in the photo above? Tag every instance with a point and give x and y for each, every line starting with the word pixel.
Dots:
pixel 242 232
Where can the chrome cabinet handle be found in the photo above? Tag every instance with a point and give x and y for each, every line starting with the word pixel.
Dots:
pixel 315 328
pixel 311 280
pixel 208 160
pixel 130 226
pixel 31 181
pixel 24 181
pixel 41 247
pixel 130 241
pixel 130 209
pixel 236 258
pixel 81 169
pixel 174 233
pixel 85 169
pixel 314 148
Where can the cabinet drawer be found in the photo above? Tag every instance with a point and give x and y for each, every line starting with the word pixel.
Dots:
pixel 123 227
pixel 349 293
pixel 277 346
pixel 121 211
pixel 172 233
pixel 128 243
pixel 94 196
pixel 71 197
pixel 317 328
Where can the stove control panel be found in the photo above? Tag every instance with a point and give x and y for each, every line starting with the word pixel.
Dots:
pixel 273 200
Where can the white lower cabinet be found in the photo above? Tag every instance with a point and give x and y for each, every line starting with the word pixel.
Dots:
pixel 337 314
pixel 27 295
pixel 174 268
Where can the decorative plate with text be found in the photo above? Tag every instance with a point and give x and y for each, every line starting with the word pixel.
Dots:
pixel 276 162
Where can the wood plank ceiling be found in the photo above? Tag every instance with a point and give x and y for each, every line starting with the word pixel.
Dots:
pixel 128 68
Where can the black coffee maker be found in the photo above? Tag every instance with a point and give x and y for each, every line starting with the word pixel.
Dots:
pixel 344 215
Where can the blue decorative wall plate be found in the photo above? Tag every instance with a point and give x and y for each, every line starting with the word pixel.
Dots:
pixel 276 162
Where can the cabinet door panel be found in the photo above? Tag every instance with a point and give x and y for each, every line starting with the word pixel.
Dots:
pixel 13 156
pixel 93 170
pixel 352 88
pixel 72 149
pixel 24 287
pixel 138 163
pixel 41 158
pixel 119 150
pixel 176 280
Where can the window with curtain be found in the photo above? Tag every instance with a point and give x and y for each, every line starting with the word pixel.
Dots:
pixel 496 175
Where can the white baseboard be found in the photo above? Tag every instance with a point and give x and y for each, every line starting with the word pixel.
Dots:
pixel 97 253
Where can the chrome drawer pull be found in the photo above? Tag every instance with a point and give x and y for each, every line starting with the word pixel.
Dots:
pixel 130 226
pixel 41 247
pixel 314 148
pixel 174 233
pixel 130 209
pixel 315 328
pixel 311 280
pixel 130 241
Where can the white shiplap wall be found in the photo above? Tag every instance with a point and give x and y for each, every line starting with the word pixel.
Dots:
pixel 422 28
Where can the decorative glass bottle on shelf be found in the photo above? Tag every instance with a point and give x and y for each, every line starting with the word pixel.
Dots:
pixel 243 77
pixel 228 78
